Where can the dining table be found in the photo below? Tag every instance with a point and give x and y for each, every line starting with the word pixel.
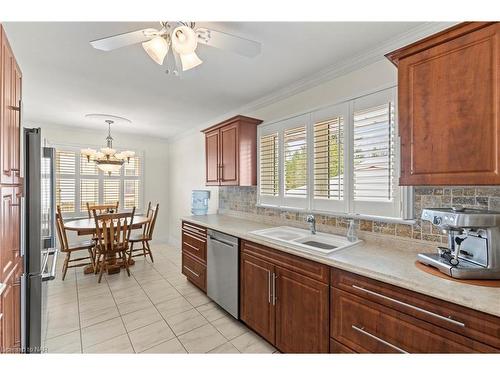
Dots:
pixel 85 227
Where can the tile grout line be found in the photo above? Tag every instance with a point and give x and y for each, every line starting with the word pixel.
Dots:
pixel 121 318
pixel 163 318
pixel 79 317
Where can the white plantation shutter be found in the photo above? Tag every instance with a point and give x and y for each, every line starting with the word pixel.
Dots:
pixel 131 193
pixel 374 153
pixel 295 149
pixel 89 193
pixel 66 180
pixel 79 182
pixel 269 169
pixel 374 158
pixel 111 191
pixel 350 149
pixel 329 159
pixel 66 194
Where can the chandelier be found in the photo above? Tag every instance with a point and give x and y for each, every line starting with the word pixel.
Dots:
pixel 107 159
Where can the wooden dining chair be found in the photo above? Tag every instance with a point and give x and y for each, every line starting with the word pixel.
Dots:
pixel 113 235
pixel 102 208
pixel 145 236
pixel 68 248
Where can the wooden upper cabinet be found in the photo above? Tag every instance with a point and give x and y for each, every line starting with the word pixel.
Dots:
pixel 10 99
pixel 231 152
pixel 212 157
pixel 448 98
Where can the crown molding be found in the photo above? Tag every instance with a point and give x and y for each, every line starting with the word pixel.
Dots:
pixel 346 66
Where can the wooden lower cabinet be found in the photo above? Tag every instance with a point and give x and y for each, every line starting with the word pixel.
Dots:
pixel 195 271
pixel 301 313
pixel 11 311
pixel 257 309
pixel 285 307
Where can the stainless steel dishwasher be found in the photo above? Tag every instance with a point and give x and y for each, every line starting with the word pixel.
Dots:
pixel 222 271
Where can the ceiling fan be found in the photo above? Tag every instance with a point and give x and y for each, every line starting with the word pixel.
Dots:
pixel 183 37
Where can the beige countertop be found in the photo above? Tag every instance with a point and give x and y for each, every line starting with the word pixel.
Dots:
pixel 378 257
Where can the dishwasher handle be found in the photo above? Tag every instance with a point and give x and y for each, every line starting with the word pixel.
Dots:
pixel 222 241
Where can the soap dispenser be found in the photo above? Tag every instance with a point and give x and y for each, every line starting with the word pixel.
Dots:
pixel 352 231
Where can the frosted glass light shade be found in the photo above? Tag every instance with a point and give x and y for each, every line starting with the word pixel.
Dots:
pixel 157 49
pixel 189 61
pixel 184 40
pixel 107 151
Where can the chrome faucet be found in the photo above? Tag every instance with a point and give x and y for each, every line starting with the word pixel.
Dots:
pixel 312 223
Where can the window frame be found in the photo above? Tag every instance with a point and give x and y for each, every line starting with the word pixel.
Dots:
pixel 401 207
pixel 100 177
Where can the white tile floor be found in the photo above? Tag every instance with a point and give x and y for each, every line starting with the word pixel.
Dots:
pixel 155 310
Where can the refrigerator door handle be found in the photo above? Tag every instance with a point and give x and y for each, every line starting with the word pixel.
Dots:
pixel 50 275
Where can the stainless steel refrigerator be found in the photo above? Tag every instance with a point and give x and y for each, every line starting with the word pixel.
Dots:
pixel 37 236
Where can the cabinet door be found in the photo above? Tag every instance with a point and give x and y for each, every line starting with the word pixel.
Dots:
pixel 448 112
pixel 6 112
pixel 229 155
pixel 8 321
pixel 302 320
pixel 212 158
pixel 7 253
pixel 256 307
pixel 16 124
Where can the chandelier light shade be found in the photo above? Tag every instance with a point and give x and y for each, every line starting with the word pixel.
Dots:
pixel 157 49
pixel 107 159
pixel 189 61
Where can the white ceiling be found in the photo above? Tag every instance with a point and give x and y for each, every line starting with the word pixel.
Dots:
pixel 64 77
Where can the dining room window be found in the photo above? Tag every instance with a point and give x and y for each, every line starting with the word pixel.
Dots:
pixel 79 182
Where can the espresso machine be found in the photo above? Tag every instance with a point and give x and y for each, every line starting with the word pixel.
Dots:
pixel 473 250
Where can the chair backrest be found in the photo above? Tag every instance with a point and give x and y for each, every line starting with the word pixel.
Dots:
pixel 61 231
pixel 102 208
pixel 149 209
pixel 113 230
pixel 150 225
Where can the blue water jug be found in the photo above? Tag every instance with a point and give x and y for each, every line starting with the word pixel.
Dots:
pixel 199 202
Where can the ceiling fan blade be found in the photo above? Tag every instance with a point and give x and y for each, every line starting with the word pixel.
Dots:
pixel 233 43
pixel 121 40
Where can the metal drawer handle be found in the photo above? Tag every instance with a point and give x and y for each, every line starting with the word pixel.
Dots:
pixel 186 229
pixel 196 238
pixel 191 246
pixel 190 270
pixel 410 306
pixel 193 228
pixel 268 286
pixel 274 289
pixel 362 330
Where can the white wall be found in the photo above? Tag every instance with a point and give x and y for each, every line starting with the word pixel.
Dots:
pixel 155 164
pixel 186 173
pixel 187 154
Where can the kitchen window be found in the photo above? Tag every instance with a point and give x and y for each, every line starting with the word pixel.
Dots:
pixel 79 182
pixel 341 159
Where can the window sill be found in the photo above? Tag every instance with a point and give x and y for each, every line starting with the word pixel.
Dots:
pixel 385 219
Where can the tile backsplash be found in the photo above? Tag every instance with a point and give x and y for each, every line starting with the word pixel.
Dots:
pixel 241 201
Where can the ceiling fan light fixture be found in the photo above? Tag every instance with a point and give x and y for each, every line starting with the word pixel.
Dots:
pixel 156 48
pixel 190 60
pixel 184 40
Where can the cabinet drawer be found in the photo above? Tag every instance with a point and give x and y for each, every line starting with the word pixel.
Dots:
pixel 194 228
pixel 195 245
pixel 338 348
pixel 195 271
pixel 474 324
pixel 300 265
pixel 368 327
